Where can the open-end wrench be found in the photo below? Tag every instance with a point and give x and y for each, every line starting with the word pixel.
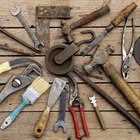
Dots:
pixel 61 116
pixel 17 12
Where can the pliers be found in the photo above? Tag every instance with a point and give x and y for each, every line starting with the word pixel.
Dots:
pixel 127 57
pixel 75 100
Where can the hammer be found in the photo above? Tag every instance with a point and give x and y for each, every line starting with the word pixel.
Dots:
pixel 101 57
pixel 66 28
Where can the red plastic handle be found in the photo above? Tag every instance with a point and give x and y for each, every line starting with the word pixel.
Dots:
pixel 84 121
pixel 75 123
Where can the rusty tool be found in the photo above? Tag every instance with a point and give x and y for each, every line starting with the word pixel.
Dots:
pixel 93 101
pixel 67 29
pixel 17 50
pixel 17 12
pixel 44 14
pixel 127 57
pixel 59 59
pixel 114 23
pixel 17 39
pixel 75 100
pixel 101 58
pixel 109 99
pixel 137 51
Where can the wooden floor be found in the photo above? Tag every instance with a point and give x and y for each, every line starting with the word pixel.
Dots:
pixel 118 127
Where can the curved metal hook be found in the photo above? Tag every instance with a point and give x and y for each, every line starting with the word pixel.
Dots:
pixel 87 40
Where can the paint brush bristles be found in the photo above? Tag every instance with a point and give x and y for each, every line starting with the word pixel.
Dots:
pixel 36 89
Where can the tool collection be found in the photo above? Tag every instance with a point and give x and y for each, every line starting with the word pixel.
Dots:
pixel 59 60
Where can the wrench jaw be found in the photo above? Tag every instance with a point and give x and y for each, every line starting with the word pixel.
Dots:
pixel 39 45
pixel 61 124
pixel 16 10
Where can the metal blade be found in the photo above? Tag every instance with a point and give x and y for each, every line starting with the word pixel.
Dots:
pixel 56 89
pixel 137 51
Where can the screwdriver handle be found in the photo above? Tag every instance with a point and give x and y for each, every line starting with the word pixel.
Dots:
pixel 122 86
pixel 124 14
pixel 99 116
pixel 41 124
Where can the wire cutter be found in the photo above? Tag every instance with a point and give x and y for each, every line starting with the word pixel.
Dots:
pixel 127 57
pixel 75 100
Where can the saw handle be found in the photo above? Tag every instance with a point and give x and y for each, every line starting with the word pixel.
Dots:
pixel 90 17
pixel 124 14
pixel 122 85
pixel 41 124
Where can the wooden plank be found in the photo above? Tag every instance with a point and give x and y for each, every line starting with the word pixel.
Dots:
pixel 13 100
pixel 23 127
pixel 56 36
pixel 78 10
pixel 79 61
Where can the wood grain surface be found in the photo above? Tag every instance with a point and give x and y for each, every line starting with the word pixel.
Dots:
pixel 118 127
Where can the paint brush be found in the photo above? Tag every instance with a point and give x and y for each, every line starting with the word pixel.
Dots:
pixel 32 93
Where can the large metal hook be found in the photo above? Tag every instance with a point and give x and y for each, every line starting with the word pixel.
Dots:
pixel 87 40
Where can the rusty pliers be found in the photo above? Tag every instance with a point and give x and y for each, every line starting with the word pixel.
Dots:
pixel 75 100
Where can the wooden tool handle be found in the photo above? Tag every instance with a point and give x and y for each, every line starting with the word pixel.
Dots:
pixel 90 17
pixel 100 118
pixel 124 14
pixel 41 124
pixel 122 85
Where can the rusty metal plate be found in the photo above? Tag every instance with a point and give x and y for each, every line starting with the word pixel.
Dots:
pixel 53 12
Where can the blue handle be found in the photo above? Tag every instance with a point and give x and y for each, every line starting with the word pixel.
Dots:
pixel 16 112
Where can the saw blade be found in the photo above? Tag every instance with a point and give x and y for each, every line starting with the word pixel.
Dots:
pixel 52 66
pixel 137 51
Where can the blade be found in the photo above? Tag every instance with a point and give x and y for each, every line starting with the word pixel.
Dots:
pixel 22 62
pixel 56 89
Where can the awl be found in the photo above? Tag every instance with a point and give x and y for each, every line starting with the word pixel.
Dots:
pixel 114 23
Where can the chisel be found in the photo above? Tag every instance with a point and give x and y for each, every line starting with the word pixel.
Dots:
pixel 32 93
pixel 114 23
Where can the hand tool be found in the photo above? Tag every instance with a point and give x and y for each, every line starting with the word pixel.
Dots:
pixel 20 62
pixel 93 101
pixel 137 51
pixel 17 39
pixel 20 81
pixel 44 14
pixel 59 58
pixel 67 29
pixel 114 23
pixel 76 100
pixel 32 93
pixel 56 89
pixel 17 50
pixel 126 57
pixel 109 99
pixel 102 59
pixel 62 108
pixel 17 12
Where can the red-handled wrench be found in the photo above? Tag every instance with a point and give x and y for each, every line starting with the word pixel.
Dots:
pixel 76 100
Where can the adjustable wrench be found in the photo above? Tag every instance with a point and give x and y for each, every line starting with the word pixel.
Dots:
pixel 61 117
pixel 17 12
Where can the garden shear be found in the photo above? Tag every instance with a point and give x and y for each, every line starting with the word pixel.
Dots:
pixel 127 57
pixel 75 100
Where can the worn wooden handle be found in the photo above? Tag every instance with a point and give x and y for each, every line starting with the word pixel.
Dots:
pixel 90 17
pixel 122 85
pixel 41 124
pixel 124 14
